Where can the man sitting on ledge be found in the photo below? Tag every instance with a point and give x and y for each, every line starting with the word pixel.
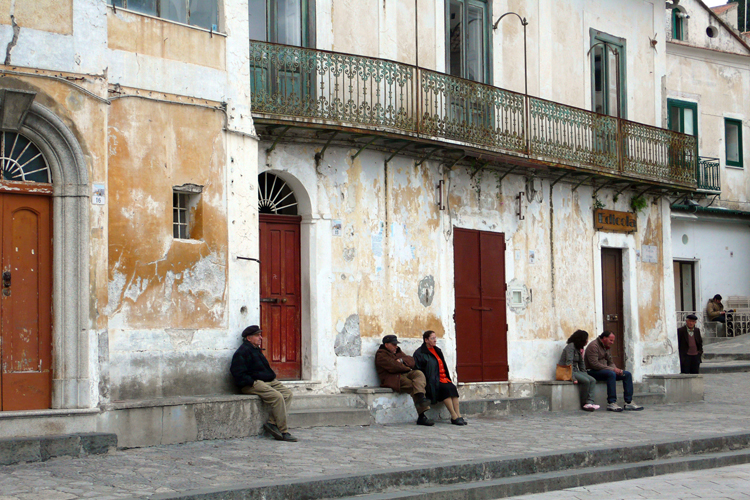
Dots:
pixel 253 375
pixel 396 371
pixel 601 366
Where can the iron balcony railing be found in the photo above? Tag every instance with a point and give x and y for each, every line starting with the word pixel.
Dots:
pixel 342 90
pixel 708 174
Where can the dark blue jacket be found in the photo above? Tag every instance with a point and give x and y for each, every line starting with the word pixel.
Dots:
pixel 249 364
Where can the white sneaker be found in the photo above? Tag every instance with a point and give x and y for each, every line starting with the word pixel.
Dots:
pixel 613 407
pixel 588 407
pixel 632 406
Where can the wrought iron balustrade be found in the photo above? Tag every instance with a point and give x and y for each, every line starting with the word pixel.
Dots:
pixel 466 111
pixel 318 87
pixel 572 135
pixel 708 174
pixel 347 90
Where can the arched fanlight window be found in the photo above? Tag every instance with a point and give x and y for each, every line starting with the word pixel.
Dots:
pixel 21 160
pixel 275 196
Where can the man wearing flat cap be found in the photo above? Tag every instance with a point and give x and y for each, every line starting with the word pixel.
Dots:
pixel 396 371
pixel 690 345
pixel 253 375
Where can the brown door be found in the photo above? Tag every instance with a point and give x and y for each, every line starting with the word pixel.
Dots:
pixel 25 303
pixel 280 293
pixel 480 316
pixel 612 301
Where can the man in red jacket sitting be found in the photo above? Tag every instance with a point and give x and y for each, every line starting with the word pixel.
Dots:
pixel 396 371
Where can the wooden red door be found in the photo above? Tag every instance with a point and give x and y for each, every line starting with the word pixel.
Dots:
pixel 480 314
pixel 280 293
pixel 25 303
pixel 612 301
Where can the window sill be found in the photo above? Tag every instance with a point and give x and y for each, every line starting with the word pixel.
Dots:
pixel 198 28
pixel 734 167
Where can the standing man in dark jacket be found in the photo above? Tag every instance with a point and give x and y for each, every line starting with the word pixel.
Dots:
pixel 690 345
pixel 253 375
pixel 396 371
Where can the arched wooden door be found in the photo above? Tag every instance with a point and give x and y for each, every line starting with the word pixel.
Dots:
pixel 26 281
pixel 280 283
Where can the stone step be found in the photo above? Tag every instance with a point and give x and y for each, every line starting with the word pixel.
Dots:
pixel 560 480
pixel 545 469
pixel 325 401
pixel 714 340
pixel 332 417
pixel 726 356
pixel 503 406
pixel 725 367
pixel 40 449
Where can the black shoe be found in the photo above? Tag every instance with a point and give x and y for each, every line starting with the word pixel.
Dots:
pixel 458 421
pixel 461 421
pixel 423 420
pixel 289 437
pixel 274 431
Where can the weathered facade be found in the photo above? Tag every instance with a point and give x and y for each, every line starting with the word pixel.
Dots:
pixel 707 89
pixel 361 168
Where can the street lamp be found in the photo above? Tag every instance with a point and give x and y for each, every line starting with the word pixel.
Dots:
pixel 524 23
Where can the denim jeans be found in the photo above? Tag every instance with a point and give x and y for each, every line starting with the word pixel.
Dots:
pixel 611 378
pixel 586 384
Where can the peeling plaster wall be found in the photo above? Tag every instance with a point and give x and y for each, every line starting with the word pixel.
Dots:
pixel 164 291
pixel 394 254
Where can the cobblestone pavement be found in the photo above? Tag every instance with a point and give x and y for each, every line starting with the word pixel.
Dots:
pixel 727 483
pixel 738 345
pixel 358 450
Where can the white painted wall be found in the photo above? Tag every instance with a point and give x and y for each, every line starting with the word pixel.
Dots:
pixel 721 249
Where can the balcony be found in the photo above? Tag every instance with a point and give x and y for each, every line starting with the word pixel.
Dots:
pixel 708 174
pixel 402 108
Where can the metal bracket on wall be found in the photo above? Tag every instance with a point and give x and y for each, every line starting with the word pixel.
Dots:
pixel 623 189
pixel 479 166
pixel 319 156
pixel 585 179
pixel 278 138
pixel 507 172
pixel 558 180
pixel 365 147
pixel 455 162
pixel 248 258
pixel 397 151
pixel 600 187
pixel 425 158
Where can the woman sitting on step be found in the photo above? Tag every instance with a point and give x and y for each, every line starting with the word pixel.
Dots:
pixel 573 355
pixel 429 358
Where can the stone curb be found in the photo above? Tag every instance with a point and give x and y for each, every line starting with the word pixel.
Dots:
pixel 725 367
pixel 559 480
pixel 465 472
pixel 40 449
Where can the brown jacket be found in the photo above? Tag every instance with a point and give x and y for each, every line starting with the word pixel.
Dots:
pixel 714 309
pixel 390 369
pixel 598 357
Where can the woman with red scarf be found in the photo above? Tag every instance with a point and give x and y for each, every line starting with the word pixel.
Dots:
pixel 429 359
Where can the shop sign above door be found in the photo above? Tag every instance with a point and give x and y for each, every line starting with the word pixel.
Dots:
pixel 615 222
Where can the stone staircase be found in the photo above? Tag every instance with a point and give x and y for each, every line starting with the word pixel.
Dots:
pixel 729 356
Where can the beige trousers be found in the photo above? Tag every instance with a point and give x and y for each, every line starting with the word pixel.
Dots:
pixel 414 383
pixel 275 395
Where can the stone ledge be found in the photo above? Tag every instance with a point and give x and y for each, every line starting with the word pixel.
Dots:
pixel 40 449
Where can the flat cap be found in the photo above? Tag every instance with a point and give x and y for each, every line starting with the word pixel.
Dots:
pixel 390 339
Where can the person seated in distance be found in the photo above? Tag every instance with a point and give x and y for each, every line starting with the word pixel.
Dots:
pixel 600 366
pixel 253 375
pixel 398 372
pixel 430 361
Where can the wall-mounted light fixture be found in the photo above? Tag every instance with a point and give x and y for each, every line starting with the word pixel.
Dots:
pixel 519 205
pixel 439 195
pixel 14 105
